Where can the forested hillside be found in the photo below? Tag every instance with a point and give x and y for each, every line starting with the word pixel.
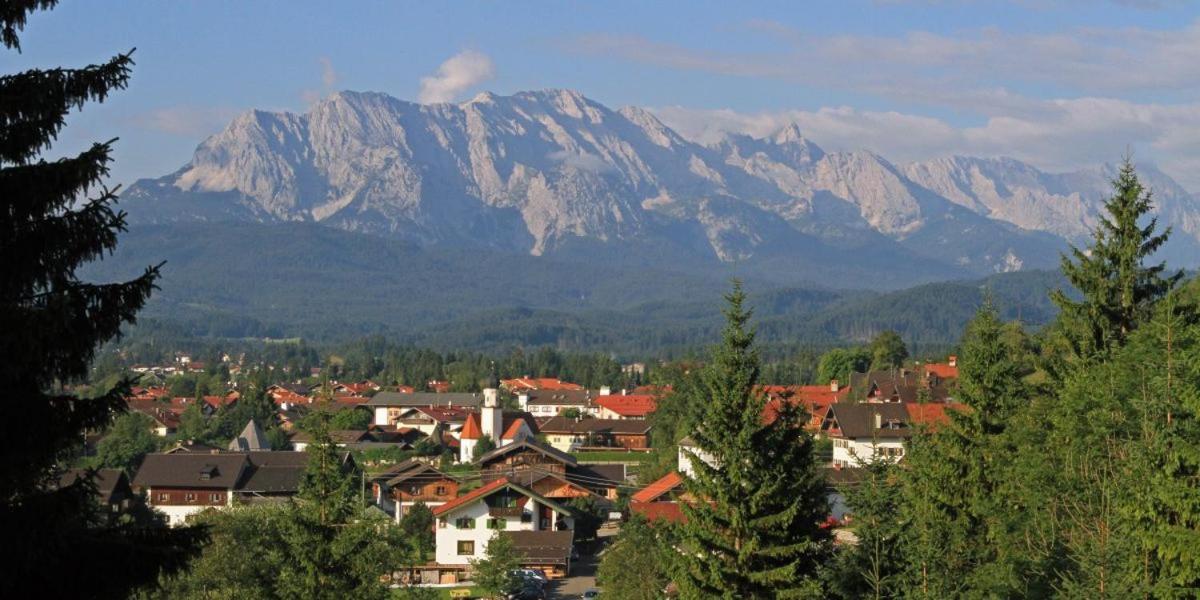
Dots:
pixel 302 280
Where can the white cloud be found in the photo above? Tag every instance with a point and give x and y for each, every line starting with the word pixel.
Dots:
pixel 584 161
pixel 186 121
pixel 329 79
pixel 458 74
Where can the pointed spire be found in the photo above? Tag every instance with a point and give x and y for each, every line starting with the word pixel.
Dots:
pixel 251 439
pixel 493 380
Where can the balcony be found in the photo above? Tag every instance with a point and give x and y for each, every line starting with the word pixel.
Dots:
pixel 504 511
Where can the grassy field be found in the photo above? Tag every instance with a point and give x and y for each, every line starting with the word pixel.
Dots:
pixel 612 456
pixel 443 593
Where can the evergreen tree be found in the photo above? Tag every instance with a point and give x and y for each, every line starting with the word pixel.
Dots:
pixel 333 550
pixel 872 567
pixel 637 564
pixel 50 326
pixel 1118 288
pixel 483 446
pixel 757 532
pixel 956 481
pixel 417 527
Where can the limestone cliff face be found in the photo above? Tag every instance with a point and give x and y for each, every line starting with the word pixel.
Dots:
pixel 536 171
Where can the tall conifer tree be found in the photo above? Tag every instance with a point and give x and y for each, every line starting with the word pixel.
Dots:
pixel 50 326
pixel 1118 288
pixel 755 531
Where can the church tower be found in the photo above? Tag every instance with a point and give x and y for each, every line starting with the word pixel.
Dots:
pixel 492 416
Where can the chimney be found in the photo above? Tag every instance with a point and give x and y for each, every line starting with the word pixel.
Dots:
pixel 953 360
pixel 605 390
pixel 878 421
pixel 833 385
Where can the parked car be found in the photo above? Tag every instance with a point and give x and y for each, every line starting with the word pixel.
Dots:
pixel 590 594
pixel 530 590
pixel 531 575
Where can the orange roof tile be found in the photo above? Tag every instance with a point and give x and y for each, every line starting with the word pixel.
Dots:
pixel 658 511
pixel 513 429
pixel 471 429
pixel 943 370
pixel 471 496
pixel 629 405
pixel 656 490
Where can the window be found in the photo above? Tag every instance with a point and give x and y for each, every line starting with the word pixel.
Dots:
pixel 464 523
pixel 414 491
pixel 164 497
pixel 214 497
pixel 526 517
pixel 442 523
pixel 496 523
pixel 441 490
pixel 190 497
pixel 466 548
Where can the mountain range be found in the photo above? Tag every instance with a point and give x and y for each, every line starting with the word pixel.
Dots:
pixel 555 174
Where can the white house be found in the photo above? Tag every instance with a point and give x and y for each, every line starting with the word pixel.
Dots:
pixel 467 523
pixel 862 432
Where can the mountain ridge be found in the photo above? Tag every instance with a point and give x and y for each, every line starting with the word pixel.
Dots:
pixel 553 172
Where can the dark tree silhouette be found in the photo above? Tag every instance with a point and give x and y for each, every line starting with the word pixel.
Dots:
pixel 50 326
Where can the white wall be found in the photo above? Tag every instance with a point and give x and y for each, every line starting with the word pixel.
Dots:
pixel 687 454
pixel 447 537
pixel 381 415
pixel 853 453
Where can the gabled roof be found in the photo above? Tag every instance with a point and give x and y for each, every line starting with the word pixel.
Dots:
pixel 194 470
pixel 492 488
pixel 513 429
pixel 538 383
pixel 524 443
pixel 628 405
pixel 659 488
pixel 561 425
pixel 251 438
pixel 560 397
pixel 471 429
pixel 542 547
pixel 857 421
pixel 108 482
pixel 425 399
pixel 417 471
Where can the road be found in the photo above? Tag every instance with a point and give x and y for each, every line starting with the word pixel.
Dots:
pixel 583 572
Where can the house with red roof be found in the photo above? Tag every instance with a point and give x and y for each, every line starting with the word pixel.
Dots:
pixel 465 525
pixel 528 384
pixel 626 406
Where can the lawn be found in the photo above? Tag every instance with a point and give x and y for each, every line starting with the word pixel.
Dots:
pixel 444 592
pixel 611 456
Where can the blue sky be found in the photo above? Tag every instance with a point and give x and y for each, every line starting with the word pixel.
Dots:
pixel 1062 84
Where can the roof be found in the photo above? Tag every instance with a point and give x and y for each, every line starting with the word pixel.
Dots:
pixel 491 488
pixel 339 436
pixel 932 414
pixel 108 481
pixel 538 383
pixel 417 470
pixel 218 471
pixel 659 488
pixel 263 472
pixel 513 429
pixel 561 424
pixel 943 370
pixel 252 437
pixel 560 397
pixel 542 547
pixel 857 421
pixel 658 511
pixel 526 442
pixel 900 385
pixel 471 429
pixel 471 496
pixel 628 405
pixel 425 399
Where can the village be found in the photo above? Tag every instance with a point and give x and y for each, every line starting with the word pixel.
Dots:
pixel 551 465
